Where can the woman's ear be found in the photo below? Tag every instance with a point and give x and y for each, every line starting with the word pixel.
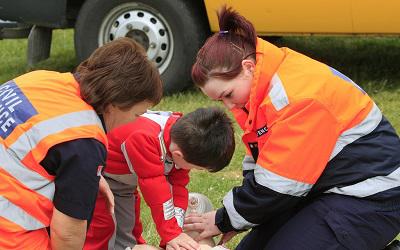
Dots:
pixel 110 108
pixel 107 109
pixel 248 66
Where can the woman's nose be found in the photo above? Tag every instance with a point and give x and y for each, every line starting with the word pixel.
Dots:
pixel 228 104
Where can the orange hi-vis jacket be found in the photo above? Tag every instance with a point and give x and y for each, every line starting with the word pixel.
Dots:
pixel 308 130
pixel 37 111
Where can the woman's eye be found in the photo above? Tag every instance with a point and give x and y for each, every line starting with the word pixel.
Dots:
pixel 228 95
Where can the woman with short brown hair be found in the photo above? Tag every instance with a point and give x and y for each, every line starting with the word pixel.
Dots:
pixel 119 74
pixel 53 145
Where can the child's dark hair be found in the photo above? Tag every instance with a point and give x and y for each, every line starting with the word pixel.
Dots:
pixel 222 54
pixel 205 137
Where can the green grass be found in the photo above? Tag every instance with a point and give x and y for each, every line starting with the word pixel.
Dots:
pixel 371 62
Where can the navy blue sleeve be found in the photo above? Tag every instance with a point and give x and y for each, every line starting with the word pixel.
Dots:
pixel 75 165
pixel 222 221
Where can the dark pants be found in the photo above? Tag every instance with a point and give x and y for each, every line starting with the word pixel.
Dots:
pixel 329 222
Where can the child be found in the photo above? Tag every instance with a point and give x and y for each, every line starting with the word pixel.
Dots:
pixel 322 168
pixel 156 152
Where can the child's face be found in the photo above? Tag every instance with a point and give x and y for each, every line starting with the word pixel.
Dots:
pixel 233 93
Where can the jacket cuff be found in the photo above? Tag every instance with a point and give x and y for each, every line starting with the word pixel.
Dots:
pixel 222 221
pixel 179 216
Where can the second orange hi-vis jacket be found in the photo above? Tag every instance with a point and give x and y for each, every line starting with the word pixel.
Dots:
pixel 37 111
pixel 309 130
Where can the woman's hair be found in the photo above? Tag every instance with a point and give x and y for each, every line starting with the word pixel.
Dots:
pixel 222 54
pixel 119 73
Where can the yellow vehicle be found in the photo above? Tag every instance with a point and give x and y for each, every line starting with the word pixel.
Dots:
pixel 173 30
pixel 285 17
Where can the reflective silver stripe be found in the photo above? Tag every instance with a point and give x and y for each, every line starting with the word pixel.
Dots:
pixel 370 186
pixel 29 178
pixel 167 160
pixel 248 163
pixel 15 214
pixel 279 183
pixel 237 221
pixel 10 158
pixel 161 118
pixel 277 93
pixel 128 161
pixel 31 138
pixel 365 127
pixel 163 157
pixel 162 145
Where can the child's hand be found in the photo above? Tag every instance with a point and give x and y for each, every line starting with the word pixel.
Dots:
pixel 183 241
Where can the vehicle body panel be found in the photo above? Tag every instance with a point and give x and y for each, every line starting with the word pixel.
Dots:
pixel 47 13
pixel 376 17
pixel 314 16
pixel 269 17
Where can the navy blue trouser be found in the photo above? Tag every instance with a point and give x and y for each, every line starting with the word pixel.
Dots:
pixel 329 222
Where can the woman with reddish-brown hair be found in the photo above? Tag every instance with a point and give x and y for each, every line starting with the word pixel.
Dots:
pixel 322 168
pixel 53 144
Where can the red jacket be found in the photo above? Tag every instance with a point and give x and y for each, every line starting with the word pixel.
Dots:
pixel 142 147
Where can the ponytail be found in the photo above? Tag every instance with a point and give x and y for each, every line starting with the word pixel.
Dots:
pixel 222 54
pixel 233 24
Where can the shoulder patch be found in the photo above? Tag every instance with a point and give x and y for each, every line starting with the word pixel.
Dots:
pixel 262 131
pixel 15 108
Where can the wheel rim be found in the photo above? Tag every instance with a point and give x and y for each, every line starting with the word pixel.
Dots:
pixel 144 24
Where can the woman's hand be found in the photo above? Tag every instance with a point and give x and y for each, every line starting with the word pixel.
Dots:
pixel 104 189
pixel 202 223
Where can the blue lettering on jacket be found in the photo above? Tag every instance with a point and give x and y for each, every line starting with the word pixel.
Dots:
pixel 15 108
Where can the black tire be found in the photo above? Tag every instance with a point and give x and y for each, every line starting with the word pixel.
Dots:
pixel 39 43
pixel 185 24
